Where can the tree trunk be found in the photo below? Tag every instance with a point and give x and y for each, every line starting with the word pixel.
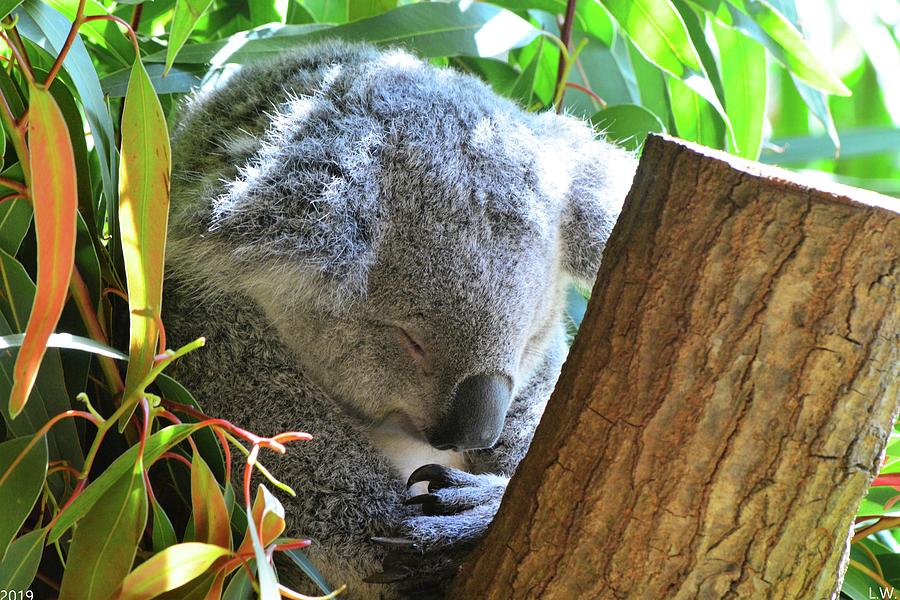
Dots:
pixel 725 404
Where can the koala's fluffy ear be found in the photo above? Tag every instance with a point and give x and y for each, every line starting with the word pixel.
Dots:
pixel 597 178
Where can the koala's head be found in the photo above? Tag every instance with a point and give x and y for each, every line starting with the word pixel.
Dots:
pixel 410 234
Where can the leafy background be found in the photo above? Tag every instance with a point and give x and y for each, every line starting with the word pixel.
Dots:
pixel 119 485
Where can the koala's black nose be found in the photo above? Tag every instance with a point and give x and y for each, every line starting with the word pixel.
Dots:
pixel 476 415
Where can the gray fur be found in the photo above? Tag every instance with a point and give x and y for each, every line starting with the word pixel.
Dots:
pixel 326 202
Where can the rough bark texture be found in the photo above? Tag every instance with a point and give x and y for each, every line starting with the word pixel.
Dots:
pixel 725 404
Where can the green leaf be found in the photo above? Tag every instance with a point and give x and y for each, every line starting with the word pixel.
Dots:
pixel 178 80
pixel 758 19
pixel 20 565
pixel 106 539
pixel 695 119
pixel 328 11
pixel 658 31
pixel 430 29
pixel 49 29
pixel 143 214
pixel 523 88
pixel 858 585
pixel 6 7
pixel 163 534
pixel 21 478
pixel 649 81
pixel 49 396
pixel 15 219
pixel 817 102
pixel 65 340
pixel 158 443
pixel 855 142
pixel 240 588
pixel 745 85
pixel 300 559
pixel 627 125
pixel 169 569
pixel 187 13
pixel 361 9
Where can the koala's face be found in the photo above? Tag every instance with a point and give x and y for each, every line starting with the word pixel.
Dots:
pixel 455 320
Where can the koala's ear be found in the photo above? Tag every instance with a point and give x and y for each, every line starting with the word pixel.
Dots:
pixel 597 177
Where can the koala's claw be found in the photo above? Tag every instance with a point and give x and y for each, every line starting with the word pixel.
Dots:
pixel 395 542
pixel 437 477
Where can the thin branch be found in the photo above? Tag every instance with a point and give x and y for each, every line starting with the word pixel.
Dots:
pixel 14 185
pixel 26 69
pixel 587 91
pixel 566 37
pixel 123 23
pixel 67 45
pixel 136 16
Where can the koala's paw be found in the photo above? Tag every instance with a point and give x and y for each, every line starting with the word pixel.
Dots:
pixel 428 549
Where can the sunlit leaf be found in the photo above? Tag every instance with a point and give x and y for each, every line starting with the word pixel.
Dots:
pixel 21 478
pixel 20 564
pixel 761 21
pixel 106 539
pixel 187 13
pixel 169 569
pixel 695 119
pixel 143 214
pixel 211 522
pixel 745 85
pixel 240 588
pixel 54 194
pixel 65 340
pixel 657 29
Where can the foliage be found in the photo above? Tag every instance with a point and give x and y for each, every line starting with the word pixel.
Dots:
pixel 86 86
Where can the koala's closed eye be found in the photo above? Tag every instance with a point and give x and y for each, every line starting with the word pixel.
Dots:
pixel 415 347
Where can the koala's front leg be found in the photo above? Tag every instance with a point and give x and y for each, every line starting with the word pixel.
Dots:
pixel 428 548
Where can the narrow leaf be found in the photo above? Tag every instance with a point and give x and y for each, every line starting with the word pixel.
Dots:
pixel 169 569
pixel 106 539
pixel 163 534
pixel 187 13
pixel 657 29
pixel 65 340
pixel 20 565
pixel 745 85
pixel 21 478
pixel 54 195
pixel 143 214
pixel 211 522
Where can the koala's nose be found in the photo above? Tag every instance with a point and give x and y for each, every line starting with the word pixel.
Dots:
pixel 477 413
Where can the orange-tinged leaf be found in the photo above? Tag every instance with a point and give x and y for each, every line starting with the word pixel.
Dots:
pixel 54 194
pixel 143 214
pixel 268 516
pixel 211 521
pixel 170 569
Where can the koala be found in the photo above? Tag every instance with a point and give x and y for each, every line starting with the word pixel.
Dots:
pixel 378 251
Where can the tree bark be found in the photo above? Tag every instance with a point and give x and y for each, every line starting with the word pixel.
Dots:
pixel 726 402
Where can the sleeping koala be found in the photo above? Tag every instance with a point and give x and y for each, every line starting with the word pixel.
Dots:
pixel 378 251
